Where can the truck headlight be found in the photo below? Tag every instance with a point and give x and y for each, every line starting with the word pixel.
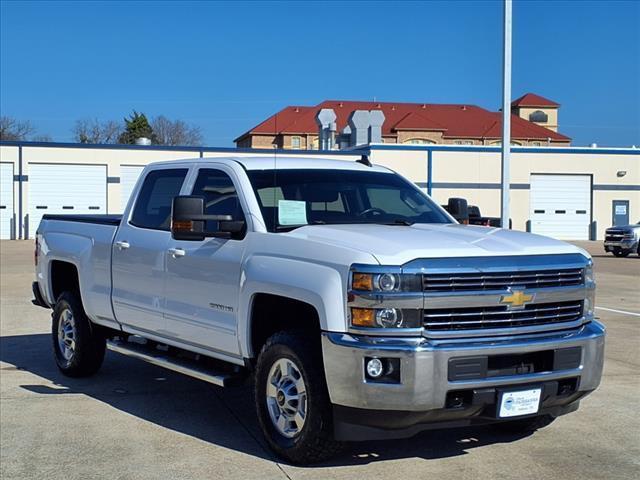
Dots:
pixel 385 318
pixel 385 282
pixel 589 277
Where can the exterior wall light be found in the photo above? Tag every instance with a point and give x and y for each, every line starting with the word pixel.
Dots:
pixel 621 173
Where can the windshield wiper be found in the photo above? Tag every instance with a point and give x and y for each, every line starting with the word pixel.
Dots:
pixel 400 221
pixel 288 228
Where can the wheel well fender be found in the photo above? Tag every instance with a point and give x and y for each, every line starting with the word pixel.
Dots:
pixel 307 287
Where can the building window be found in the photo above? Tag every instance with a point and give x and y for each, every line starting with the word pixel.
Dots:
pixel 538 116
pixel 536 144
pixel 463 142
pixel 295 142
pixel 513 144
pixel 419 141
pixel 315 144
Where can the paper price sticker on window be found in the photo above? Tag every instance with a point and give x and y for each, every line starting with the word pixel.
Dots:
pixel 292 212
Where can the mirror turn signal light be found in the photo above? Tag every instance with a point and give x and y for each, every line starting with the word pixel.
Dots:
pixel 184 225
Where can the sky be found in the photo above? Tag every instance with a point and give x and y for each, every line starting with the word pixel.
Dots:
pixel 227 66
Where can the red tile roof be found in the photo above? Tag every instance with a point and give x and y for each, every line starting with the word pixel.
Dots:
pixel 533 100
pixel 454 121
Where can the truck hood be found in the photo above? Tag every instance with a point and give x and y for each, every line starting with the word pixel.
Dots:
pixel 397 245
pixel 624 227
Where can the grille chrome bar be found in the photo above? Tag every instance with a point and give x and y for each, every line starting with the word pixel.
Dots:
pixel 501 280
pixel 501 317
pixel 501 312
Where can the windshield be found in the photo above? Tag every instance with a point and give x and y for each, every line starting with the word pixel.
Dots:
pixel 292 198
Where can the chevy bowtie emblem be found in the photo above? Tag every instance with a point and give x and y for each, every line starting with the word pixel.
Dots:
pixel 517 299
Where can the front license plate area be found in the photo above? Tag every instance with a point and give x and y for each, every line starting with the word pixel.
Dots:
pixel 517 403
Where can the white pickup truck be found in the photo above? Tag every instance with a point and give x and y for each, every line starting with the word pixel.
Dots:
pixel 358 306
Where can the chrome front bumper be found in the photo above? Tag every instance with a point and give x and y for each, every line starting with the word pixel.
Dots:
pixel 424 380
pixel 622 244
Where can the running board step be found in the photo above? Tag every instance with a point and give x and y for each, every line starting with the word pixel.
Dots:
pixel 180 365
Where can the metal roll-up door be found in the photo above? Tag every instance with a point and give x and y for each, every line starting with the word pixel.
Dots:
pixel 65 188
pixel 129 175
pixel 560 206
pixel 7 218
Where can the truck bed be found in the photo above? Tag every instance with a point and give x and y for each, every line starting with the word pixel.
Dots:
pixel 99 219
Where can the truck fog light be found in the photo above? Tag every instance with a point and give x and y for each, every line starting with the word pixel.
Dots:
pixel 387 282
pixel 389 318
pixel 375 368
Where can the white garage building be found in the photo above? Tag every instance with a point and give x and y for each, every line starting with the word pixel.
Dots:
pixel 564 192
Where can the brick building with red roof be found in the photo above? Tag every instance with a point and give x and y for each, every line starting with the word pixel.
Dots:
pixel 534 122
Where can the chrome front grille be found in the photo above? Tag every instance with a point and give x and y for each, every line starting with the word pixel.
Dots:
pixel 617 235
pixel 477 318
pixel 440 282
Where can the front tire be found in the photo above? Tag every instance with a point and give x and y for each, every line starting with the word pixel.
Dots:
pixel 525 425
pixel 292 401
pixel 78 346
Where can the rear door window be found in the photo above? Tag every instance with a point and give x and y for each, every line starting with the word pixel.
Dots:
pixel 153 206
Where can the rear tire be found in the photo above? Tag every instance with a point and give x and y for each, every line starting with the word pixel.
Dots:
pixel 78 346
pixel 292 401
pixel 621 253
pixel 525 425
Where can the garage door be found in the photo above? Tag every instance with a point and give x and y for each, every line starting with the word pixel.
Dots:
pixel 72 189
pixel 6 201
pixel 128 176
pixel 560 206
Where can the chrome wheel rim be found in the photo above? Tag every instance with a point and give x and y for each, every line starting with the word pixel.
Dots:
pixel 67 334
pixel 286 396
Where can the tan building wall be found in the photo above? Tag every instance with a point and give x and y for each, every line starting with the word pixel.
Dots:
pixel 458 172
pixel 412 164
pixel 477 175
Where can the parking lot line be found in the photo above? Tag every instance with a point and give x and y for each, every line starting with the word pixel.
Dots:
pixel 619 311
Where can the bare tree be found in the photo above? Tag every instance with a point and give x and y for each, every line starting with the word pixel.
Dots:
pixel 12 129
pixel 95 131
pixel 42 138
pixel 176 132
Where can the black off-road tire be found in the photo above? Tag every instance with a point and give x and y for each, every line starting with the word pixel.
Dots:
pixel 525 425
pixel 90 343
pixel 315 442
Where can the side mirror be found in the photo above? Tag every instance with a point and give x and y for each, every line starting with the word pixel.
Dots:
pixel 188 220
pixel 458 209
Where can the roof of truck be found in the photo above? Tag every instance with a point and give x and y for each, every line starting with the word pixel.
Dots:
pixel 283 163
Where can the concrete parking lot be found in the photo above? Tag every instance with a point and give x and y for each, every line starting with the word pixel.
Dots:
pixel 136 421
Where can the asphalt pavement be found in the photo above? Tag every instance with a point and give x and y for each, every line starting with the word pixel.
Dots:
pixel 137 421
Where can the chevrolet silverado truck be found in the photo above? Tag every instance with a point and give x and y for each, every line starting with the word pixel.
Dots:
pixel 622 240
pixel 357 307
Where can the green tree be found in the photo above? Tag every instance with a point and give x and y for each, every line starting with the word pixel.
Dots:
pixel 137 126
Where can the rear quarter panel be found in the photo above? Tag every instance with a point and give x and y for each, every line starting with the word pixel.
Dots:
pixel 88 247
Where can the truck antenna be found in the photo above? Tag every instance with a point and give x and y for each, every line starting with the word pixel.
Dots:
pixel 364 160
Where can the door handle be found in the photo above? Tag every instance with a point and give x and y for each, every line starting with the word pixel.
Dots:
pixel 176 252
pixel 122 244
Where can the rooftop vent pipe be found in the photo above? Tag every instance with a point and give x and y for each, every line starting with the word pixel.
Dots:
pixel 376 119
pixel 359 124
pixel 326 121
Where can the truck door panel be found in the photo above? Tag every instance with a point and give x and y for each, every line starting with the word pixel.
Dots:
pixel 139 252
pixel 202 280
